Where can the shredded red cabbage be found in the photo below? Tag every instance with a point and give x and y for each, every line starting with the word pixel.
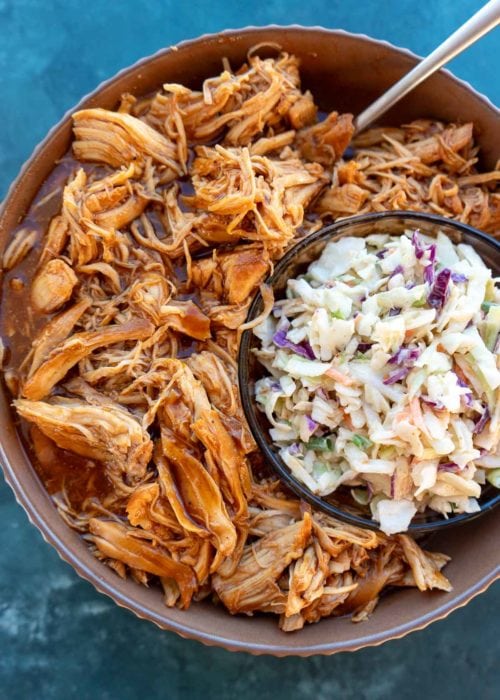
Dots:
pixel 429 274
pixel 307 347
pixel 467 398
pixel 417 244
pixel 398 270
pixel 311 424
pixel 420 250
pixel 303 349
pixel 396 376
pixel 458 277
pixel 437 296
pixel 448 467
pixel 481 423
pixel 404 356
pixel 363 347
pixel 394 311
pixel 437 405
pixel 429 270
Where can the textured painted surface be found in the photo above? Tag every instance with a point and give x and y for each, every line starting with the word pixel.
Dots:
pixel 58 637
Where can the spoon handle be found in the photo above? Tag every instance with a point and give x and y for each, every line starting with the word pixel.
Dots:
pixel 479 24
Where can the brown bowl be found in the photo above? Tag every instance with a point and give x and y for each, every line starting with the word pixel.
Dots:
pixel 344 72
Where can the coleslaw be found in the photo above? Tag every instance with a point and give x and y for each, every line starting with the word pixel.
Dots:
pixel 382 375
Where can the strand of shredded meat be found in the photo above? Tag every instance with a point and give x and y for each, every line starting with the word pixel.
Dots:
pixel 422 166
pixel 176 212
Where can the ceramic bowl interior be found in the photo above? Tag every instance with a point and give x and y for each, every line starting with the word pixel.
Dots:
pixel 344 72
pixel 294 263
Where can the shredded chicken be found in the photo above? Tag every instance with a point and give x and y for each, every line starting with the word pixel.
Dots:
pixel 106 433
pixel 253 585
pixel 254 197
pixel 231 276
pixel 423 166
pixel 172 215
pixel 68 353
pixel 264 94
pixel 53 286
pixel 18 248
pixel 326 142
pixel 117 139
pixel 122 543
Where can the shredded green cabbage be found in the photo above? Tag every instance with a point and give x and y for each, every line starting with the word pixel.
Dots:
pixel 388 379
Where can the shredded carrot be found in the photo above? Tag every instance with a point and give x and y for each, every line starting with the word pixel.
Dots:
pixel 339 377
pixel 417 417
pixel 402 415
pixel 348 420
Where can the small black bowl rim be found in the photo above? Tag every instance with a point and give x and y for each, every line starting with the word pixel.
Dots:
pixel 272 458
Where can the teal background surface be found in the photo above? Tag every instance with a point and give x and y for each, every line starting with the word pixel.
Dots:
pixel 58 637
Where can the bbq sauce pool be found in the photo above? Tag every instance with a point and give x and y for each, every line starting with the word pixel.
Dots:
pixel 61 471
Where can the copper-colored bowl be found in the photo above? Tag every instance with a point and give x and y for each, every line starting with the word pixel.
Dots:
pixel 344 72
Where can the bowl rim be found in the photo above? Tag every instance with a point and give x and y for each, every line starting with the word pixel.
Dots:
pixel 213 36
pixel 336 230
pixel 93 572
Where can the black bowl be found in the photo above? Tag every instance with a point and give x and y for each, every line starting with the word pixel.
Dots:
pixel 294 263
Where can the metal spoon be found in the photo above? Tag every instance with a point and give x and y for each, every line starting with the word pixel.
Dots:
pixel 486 19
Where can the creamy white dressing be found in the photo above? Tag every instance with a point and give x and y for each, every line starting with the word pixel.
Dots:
pixel 383 375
